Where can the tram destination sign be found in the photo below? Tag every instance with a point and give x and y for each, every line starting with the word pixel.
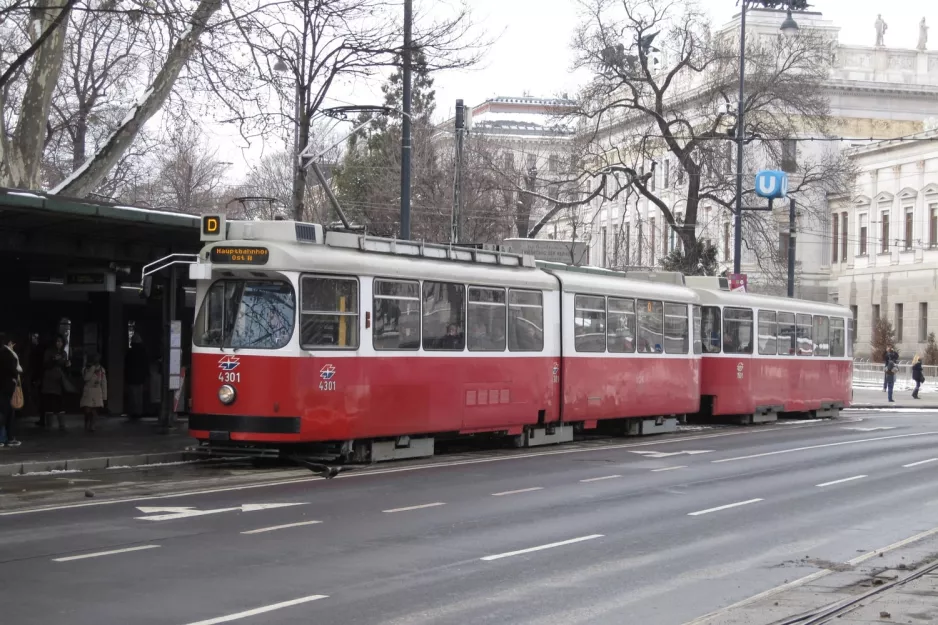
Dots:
pixel 234 255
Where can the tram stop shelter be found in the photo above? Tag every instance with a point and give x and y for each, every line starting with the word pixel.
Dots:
pixel 74 267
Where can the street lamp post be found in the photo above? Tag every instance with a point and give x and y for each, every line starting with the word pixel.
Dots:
pixel 789 28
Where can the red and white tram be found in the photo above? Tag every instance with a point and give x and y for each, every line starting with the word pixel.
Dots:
pixel 763 355
pixel 377 346
pixel 373 348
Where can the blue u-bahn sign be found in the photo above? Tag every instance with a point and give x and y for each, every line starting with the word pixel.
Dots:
pixel 771 184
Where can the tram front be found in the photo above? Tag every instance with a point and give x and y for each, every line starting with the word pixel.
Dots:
pixel 245 351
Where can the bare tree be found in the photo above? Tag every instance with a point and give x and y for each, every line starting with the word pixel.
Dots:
pixel 662 92
pixel 189 175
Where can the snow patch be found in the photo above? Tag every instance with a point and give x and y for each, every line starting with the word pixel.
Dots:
pixel 24 194
pixel 151 211
pixel 52 472
pixel 787 422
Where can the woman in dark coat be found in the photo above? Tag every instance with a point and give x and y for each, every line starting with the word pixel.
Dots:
pixel 55 371
pixel 10 370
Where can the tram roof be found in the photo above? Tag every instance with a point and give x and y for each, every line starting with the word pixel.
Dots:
pixel 768 302
pixel 348 261
pixel 617 284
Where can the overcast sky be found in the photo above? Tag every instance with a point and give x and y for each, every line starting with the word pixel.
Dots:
pixel 532 48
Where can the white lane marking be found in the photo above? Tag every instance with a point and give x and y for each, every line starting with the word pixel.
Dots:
pixel 421 467
pixel 182 513
pixel 846 479
pixel 508 554
pixel 882 427
pixel 665 454
pixel 281 527
pixel 810 578
pixel 516 492
pixel 856 442
pixel 915 464
pixel 104 553
pixel 261 610
pixel 420 507
pixel 598 479
pixel 668 469
pixel 726 507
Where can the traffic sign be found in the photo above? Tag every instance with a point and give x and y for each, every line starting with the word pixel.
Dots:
pixel 771 184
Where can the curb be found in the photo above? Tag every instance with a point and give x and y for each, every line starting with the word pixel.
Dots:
pixel 895 406
pixel 86 464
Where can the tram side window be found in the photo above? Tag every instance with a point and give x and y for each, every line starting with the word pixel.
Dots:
pixel 487 319
pixel 329 313
pixel 589 323
pixel 444 320
pixel 650 327
pixel 397 314
pixel 821 336
pixel 737 331
pixel 805 344
pixel 525 321
pixel 787 335
pixel 698 345
pixel 768 330
pixel 675 328
pixel 710 329
pixel 620 334
pixel 838 337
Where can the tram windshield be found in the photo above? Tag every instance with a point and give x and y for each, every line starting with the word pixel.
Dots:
pixel 246 314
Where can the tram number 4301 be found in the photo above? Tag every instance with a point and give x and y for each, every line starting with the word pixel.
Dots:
pixel 327 385
pixel 229 376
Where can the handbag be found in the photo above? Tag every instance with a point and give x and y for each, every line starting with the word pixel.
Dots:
pixel 17 401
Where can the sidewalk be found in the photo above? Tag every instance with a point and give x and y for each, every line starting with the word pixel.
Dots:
pixel 115 442
pixel 867 397
pixel 885 586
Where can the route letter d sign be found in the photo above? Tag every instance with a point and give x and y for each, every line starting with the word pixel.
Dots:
pixel 772 184
pixel 213 228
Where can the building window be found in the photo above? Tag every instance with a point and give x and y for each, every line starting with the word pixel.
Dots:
pixel 884 235
pixel 923 322
pixel 726 241
pixel 875 313
pixel 843 238
pixel 789 155
pixel 908 228
pixel 784 240
pixel 666 174
pixel 855 311
pixel 933 225
pixel 509 160
pixel 899 323
pixel 651 178
pixel 862 235
pixel 604 243
pixel 835 239
pixel 532 161
pixel 652 246
pixel 680 173
pixel 641 243
pixel 553 164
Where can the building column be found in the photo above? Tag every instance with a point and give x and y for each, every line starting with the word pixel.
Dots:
pixel 116 350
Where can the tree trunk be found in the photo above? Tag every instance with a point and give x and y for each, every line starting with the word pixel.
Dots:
pixel 79 136
pixel 21 158
pixel 524 206
pixel 300 175
pixel 87 177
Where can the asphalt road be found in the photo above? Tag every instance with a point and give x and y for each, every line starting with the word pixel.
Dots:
pixel 626 531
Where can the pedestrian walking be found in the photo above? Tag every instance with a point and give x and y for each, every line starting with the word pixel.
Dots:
pixel 893 355
pixel 138 371
pixel 918 376
pixel 55 382
pixel 11 391
pixel 94 393
pixel 891 369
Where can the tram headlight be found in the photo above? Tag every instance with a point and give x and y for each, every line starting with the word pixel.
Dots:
pixel 227 394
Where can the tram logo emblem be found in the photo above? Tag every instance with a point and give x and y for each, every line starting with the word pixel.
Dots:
pixel 739 371
pixel 556 369
pixel 327 372
pixel 228 363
